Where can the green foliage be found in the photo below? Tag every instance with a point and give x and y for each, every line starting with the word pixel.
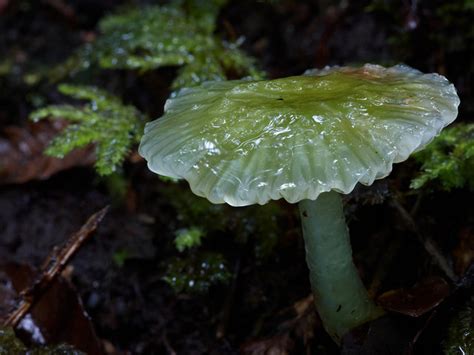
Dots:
pixel 197 273
pixel 255 224
pixel 449 159
pixel 103 120
pixel 179 34
pixel 120 257
pixel 224 226
pixel 10 344
pixel 188 238
pixel 460 337
pixel 167 179
pixel 5 67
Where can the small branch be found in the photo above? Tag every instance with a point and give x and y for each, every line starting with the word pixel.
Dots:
pixel 423 328
pixel 52 267
pixel 427 242
pixel 167 345
pixel 416 206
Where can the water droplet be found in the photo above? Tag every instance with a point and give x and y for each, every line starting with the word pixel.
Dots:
pixel 318 119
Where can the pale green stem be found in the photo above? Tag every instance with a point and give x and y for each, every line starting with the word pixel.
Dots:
pixel 339 294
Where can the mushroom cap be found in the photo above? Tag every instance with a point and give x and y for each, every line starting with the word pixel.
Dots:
pixel 246 142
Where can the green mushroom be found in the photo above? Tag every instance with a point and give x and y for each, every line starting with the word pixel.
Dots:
pixel 306 139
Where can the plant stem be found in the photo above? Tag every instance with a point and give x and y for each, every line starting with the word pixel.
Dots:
pixel 340 296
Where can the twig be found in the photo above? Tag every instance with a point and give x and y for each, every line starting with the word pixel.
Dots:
pixel 167 345
pixel 427 242
pixel 416 206
pixel 230 31
pixel 52 267
pixel 420 331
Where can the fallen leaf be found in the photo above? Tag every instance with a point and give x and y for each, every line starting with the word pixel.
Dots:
pixel 305 323
pixel 22 158
pixel 299 325
pixel 57 317
pixel 417 300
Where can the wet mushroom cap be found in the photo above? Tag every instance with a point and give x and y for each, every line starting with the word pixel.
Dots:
pixel 246 142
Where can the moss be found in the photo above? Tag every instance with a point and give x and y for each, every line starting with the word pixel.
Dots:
pixel 255 224
pixel 103 120
pixel 448 162
pixel 188 238
pixel 460 337
pixel 197 273
pixel 10 344
pixel 179 34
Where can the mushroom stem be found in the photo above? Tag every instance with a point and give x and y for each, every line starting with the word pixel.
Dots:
pixel 340 296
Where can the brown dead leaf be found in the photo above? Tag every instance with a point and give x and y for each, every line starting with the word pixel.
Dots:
pixel 299 324
pixel 22 158
pixel 57 317
pixel 302 306
pixel 305 322
pixel 463 253
pixel 417 300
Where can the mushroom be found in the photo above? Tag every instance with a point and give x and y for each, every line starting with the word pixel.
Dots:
pixel 306 139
